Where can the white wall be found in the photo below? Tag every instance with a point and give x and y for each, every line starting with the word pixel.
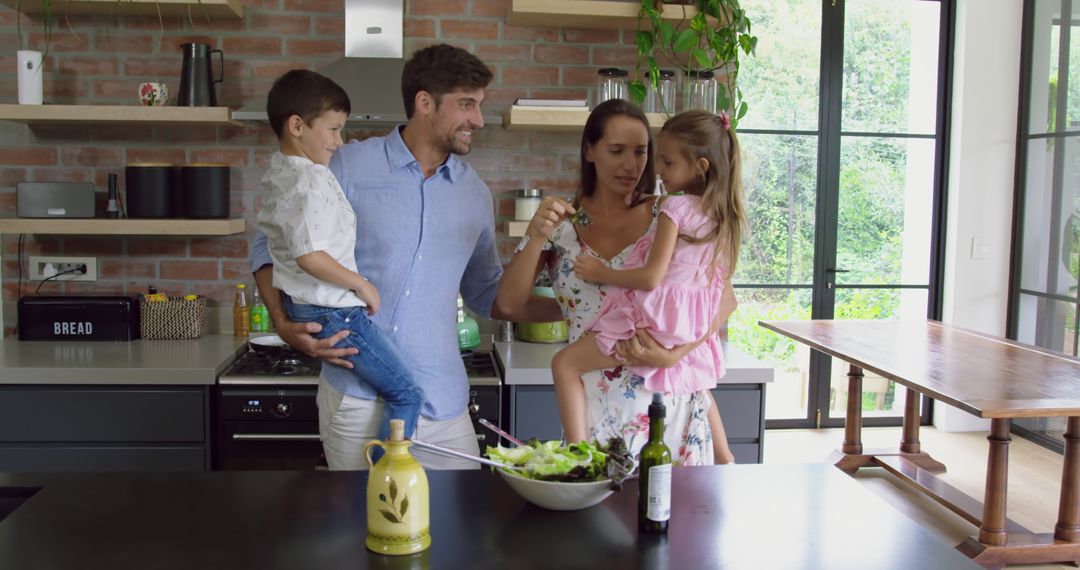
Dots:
pixel 983 157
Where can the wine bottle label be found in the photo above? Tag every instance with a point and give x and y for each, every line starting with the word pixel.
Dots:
pixel 659 508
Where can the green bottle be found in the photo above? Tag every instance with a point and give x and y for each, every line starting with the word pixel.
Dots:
pixel 260 316
pixel 654 491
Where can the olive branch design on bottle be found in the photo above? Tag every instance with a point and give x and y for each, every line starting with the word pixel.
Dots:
pixel 394 514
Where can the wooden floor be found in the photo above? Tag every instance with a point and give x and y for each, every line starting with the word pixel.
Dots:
pixel 1034 475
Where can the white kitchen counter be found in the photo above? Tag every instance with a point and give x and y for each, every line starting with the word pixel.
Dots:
pixel 139 362
pixel 526 363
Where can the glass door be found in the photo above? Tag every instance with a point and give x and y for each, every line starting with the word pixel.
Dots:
pixel 843 152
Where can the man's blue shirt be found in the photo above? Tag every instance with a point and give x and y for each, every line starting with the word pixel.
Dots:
pixel 420 242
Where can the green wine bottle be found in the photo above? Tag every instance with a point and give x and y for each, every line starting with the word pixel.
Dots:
pixel 654 491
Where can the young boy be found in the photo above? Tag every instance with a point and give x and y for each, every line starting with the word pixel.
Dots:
pixel 311 229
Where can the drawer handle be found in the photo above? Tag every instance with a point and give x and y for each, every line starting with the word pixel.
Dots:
pixel 276 437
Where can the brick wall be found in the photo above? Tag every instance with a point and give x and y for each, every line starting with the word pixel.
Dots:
pixel 98 60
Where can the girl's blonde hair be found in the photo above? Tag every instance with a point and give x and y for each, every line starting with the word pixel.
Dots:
pixel 704 135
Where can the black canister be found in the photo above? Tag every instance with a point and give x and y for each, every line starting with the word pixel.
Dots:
pixel 149 190
pixel 204 190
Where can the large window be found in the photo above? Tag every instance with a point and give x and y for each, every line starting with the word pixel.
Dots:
pixel 1044 301
pixel 842 166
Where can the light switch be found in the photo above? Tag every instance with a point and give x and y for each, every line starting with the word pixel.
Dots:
pixel 980 249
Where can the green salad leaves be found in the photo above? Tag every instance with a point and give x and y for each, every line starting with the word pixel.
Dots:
pixel 577 462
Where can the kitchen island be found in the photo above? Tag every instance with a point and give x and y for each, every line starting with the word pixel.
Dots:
pixel 742 516
pixel 739 395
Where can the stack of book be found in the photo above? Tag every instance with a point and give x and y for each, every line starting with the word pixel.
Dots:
pixel 552 105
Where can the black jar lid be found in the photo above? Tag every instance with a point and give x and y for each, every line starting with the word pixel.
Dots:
pixel 664 74
pixel 700 74
pixel 612 72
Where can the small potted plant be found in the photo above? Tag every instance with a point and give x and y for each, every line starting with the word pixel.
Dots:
pixel 712 39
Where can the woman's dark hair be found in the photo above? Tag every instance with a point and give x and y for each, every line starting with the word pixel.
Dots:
pixel 305 94
pixel 441 69
pixel 594 131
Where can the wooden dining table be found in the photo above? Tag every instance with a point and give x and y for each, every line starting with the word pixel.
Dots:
pixel 986 376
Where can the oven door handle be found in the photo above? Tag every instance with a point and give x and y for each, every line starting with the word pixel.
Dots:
pixel 275 437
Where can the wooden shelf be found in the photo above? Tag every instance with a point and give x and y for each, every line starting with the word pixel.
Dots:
pixel 516 229
pixel 116 114
pixel 518 118
pixel 587 14
pixel 169 8
pixel 164 227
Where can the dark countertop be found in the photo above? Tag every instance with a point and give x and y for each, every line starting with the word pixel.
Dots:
pixel 745 516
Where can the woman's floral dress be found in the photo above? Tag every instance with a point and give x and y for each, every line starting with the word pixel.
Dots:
pixel 617 401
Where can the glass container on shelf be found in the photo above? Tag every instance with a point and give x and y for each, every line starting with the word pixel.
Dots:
pixel 526 202
pixel 660 99
pixel 611 84
pixel 701 91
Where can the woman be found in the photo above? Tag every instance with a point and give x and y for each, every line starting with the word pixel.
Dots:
pixel 617 180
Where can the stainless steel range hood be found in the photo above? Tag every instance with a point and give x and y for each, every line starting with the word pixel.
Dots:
pixel 371 70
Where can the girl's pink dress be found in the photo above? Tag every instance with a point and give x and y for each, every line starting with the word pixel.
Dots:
pixel 677 312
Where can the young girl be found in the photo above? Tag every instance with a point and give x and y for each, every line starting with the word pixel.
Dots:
pixel 673 282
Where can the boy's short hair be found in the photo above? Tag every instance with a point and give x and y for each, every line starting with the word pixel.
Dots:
pixel 441 69
pixel 306 94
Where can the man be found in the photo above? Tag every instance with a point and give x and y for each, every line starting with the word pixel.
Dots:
pixel 424 232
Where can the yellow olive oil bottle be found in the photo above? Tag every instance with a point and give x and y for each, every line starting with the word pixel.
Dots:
pixel 397 497
pixel 654 491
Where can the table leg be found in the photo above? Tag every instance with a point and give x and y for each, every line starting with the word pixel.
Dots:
pixel 1068 525
pixel 853 420
pixel 993 529
pixel 910 442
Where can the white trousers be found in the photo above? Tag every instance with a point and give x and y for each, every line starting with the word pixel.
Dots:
pixel 347 424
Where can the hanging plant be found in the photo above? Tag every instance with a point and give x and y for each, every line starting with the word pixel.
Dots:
pixel 710 40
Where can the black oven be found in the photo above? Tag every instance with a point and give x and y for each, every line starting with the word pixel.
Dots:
pixel 266 417
pixel 268 428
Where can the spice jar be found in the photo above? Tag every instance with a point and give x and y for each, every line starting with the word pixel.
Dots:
pixel 611 84
pixel 701 91
pixel 526 202
pixel 660 99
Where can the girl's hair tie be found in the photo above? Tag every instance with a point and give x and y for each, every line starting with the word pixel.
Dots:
pixel 725 120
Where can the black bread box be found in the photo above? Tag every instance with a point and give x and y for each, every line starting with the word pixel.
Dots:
pixel 78 318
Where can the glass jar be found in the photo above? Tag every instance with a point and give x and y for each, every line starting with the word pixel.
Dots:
pixel 701 91
pixel 611 84
pixel 660 99
pixel 526 202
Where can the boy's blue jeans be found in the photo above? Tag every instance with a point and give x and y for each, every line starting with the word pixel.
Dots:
pixel 378 363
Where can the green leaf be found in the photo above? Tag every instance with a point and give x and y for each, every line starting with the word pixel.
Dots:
pixel 637 92
pixel 746 43
pixel 667 32
pixel 389 516
pixel 712 8
pixel 702 57
pixel 404 505
pixel 697 23
pixel 686 40
pixel 644 42
pixel 742 110
pixel 393 490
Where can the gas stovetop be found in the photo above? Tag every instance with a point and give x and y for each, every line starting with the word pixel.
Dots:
pixel 297 369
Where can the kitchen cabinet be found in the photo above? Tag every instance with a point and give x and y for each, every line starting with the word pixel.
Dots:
pixel 104 428
pixel 534 413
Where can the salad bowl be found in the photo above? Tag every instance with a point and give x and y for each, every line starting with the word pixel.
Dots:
pixel 558 495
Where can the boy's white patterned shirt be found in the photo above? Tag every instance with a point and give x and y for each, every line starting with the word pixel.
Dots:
pixel 304 210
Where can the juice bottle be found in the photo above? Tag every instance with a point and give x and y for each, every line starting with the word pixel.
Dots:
pixel 240 312
pixel 260 315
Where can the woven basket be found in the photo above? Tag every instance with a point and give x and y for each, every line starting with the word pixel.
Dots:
pixel 174 319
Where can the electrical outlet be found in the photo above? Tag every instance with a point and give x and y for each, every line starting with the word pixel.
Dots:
pixel 63 268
